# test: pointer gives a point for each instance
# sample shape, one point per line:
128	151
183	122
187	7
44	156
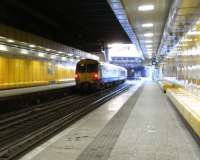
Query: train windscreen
83	68
92	68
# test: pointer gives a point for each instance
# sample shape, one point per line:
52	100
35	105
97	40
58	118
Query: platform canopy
147	19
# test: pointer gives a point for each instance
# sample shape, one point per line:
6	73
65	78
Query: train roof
102	63
87	60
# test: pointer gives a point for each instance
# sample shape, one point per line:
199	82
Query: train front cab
87	74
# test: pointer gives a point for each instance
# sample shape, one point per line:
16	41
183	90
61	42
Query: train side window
81	68
92	68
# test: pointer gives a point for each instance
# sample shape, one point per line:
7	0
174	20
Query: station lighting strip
149	35
148	7
12	46
123	20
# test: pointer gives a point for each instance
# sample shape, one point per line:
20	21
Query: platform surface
20	91
137	125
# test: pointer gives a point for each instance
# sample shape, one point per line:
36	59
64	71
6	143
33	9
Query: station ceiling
91	24
84	24
148	24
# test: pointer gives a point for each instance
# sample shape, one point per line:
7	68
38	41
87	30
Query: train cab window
92	68
81	68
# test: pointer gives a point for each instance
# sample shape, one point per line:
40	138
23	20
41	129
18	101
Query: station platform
140	124
22	91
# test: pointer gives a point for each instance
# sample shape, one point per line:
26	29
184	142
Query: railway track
23	129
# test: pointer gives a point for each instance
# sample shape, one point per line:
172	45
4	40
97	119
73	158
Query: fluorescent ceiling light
70	54
3	48
24	51
32	46
148	34
146	25
64	58
23	42
60	52
10	41
148	7
47	49
41	54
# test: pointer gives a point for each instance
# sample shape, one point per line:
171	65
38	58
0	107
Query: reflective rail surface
24	129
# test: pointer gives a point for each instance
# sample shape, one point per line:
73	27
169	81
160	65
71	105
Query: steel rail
44	122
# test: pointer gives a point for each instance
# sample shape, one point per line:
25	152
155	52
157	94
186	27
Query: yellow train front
94	74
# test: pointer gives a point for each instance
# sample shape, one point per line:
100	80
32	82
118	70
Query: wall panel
22	72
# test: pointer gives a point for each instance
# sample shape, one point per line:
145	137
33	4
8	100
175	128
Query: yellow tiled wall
21	72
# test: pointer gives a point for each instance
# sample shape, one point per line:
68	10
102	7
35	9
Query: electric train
94	74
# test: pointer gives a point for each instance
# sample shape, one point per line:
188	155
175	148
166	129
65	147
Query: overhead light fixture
47	49
60	52
148	41
10	41
24	51
146	25
41	54
3	48
23	43
147	7
64	58
148	34
70	54
32	46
